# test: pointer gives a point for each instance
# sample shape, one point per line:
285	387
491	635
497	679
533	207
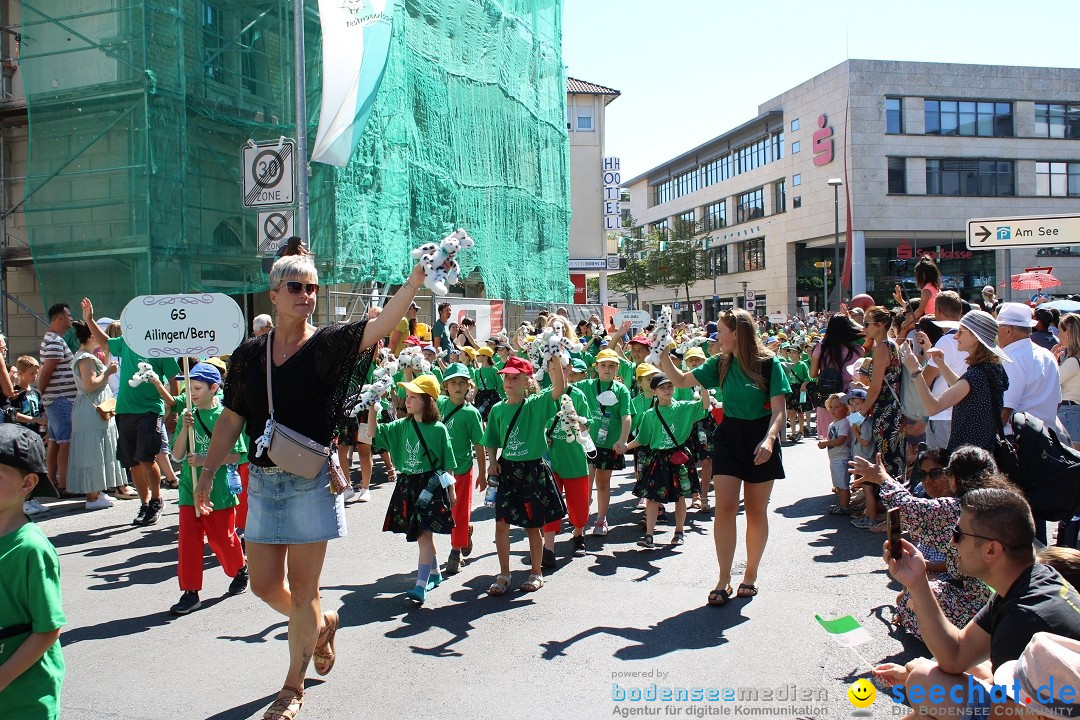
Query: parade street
617	620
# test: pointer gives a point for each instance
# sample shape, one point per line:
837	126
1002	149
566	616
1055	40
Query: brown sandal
324	655
285	707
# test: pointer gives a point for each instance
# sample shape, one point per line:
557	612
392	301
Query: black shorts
734	444
607	460
138	438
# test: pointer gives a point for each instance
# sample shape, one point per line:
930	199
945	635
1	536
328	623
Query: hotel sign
612	207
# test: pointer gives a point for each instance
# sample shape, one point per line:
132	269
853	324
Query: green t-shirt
639	404
220	497
742	399
30	595
466	429
599	415
527	440
487	378
407	451
144	398
568	459
680	417
626	373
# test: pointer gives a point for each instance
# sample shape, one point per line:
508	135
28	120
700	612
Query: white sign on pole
275	227
636	318
778	318
269	177
1024	231
612	205
177	326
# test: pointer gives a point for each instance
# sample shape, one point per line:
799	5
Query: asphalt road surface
618	621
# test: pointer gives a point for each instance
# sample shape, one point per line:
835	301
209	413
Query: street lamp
835	184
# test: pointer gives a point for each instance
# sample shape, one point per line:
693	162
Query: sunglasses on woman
935	473
295	287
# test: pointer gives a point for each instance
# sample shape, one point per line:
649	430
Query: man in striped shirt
57	386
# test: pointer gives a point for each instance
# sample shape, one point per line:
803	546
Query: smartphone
892	523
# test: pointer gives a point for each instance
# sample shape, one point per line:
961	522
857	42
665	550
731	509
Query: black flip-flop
720	597
751	590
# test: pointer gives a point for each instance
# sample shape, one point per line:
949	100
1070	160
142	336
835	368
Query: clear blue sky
689	70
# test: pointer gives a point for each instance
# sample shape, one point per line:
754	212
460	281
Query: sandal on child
720	597
500	586
746	590
285	707
324	655
534	583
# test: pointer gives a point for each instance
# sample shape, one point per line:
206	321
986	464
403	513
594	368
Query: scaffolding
138	110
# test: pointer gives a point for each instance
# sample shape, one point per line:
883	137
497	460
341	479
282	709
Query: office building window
796	146
780	201
1057	179
796	202
717	259
750	205
894	115
985	178
660	226
897	176
688	217
969	118
742	159
716	215
794	124
1057	121
751	254
796	179
584	119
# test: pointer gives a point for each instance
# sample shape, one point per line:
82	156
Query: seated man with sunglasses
993	542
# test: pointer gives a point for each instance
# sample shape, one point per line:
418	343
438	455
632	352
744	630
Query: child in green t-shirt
670	473
526	494
639	405
31	615
570	465
217	527
466	428
424	495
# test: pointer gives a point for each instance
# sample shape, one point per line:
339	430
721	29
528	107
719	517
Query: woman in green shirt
746	454
423	500
526	494
671	472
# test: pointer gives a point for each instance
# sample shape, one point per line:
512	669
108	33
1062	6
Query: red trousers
576	492
463	487
218	529
241	509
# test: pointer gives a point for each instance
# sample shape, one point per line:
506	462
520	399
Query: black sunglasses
295	287
936	473
957	534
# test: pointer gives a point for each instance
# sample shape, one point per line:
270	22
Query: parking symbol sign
1004	232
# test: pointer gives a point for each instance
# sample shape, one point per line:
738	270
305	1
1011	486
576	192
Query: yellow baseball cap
423	385
607	356
486	351
645	370
468	350
694	352
218	363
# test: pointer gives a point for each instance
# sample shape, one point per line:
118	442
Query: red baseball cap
517	366
641	340
413	340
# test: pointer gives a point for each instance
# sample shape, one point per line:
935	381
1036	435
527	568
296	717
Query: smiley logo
862	693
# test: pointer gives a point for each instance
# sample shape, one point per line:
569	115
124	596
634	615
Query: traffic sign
823	264
1023	231
748	297
269	177
676	306
274	228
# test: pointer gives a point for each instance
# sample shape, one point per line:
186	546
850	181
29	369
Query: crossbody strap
269	383
416	427
198	417
451	413
510	427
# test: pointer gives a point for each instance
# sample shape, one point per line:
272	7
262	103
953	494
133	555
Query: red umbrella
1034	281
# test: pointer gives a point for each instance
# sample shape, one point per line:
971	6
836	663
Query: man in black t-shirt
993	542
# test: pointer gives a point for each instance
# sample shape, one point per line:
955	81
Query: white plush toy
145	374
440	267
661	337
412	358
694	339
571	423
371	394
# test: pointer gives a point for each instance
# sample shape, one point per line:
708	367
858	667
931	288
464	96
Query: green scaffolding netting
138	110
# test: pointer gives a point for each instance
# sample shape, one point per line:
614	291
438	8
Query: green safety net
138	111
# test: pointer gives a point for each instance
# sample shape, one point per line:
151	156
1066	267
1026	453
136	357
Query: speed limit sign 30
269	177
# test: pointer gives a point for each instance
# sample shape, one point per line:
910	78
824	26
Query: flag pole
300	91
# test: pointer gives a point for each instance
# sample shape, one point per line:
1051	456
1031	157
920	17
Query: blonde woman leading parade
290	517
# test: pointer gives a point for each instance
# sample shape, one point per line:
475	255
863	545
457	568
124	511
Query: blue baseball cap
205	372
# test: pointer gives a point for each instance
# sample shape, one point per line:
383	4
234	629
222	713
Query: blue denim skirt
287	509
1069	415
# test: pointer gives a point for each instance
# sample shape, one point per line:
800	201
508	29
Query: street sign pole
300	91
